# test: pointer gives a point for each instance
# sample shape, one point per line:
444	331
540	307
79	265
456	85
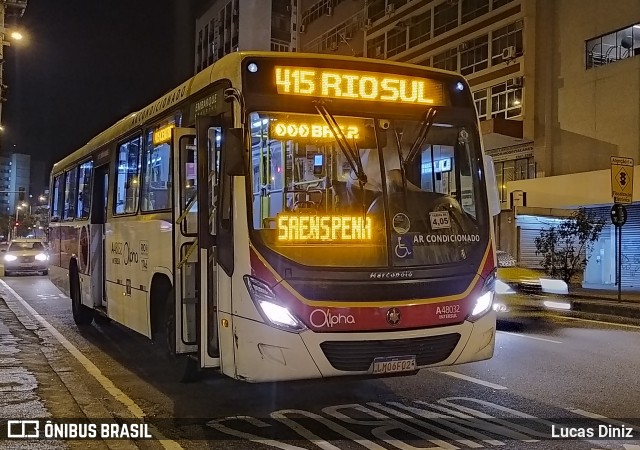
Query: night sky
88	63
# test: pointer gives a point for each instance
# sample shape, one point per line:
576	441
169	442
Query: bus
285	216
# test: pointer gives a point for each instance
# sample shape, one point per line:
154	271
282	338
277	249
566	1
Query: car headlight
10	257
41	257
267	304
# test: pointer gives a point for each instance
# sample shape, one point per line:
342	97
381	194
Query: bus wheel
101	319
187	367
82	315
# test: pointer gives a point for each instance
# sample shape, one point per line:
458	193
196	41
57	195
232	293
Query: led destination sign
307	228
305	127
358	85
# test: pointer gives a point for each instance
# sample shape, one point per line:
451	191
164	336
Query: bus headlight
267	304
41	257
483	305
10	257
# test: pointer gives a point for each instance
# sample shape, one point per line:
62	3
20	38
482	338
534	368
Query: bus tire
101	319
187	367
82	315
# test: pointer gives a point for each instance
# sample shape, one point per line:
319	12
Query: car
25	256
523	291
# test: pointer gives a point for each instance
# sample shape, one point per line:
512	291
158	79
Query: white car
25	255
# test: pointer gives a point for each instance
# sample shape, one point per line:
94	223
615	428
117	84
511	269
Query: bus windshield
366	192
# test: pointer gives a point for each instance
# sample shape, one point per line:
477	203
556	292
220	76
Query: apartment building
230	25
15	176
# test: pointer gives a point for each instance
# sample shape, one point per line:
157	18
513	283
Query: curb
606	307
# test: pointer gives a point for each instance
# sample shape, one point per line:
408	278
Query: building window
376	10
128	176
70	187
474	55
279	46
419	29
612	47
396	41
84	190
473	8
447	60
445	17
375	47
506	37
506	99
319	9
480	99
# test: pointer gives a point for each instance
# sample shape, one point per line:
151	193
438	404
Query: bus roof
227	66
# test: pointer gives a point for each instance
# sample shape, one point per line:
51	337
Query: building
227	26
15	178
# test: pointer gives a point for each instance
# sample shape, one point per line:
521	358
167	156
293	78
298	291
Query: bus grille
359	355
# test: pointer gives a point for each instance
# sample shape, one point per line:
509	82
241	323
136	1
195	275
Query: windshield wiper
352	154
425	126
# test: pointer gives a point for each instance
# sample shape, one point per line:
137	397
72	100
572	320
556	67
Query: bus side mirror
234	152
492	186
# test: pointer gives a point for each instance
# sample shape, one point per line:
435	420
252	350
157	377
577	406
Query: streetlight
16	35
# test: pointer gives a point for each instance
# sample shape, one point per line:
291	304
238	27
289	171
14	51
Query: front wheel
82	315
186	366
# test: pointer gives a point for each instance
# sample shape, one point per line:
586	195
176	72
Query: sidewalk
604	302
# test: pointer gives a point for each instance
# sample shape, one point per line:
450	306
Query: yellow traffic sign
621	179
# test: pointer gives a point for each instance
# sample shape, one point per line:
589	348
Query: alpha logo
320	318
393	316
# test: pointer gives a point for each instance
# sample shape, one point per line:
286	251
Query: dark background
84	64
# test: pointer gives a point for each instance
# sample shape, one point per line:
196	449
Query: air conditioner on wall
330	11
333	47
367	24
390	9
303	29
509	53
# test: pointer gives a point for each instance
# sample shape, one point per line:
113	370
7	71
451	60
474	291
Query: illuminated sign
357	85
305	228
163	134
303	127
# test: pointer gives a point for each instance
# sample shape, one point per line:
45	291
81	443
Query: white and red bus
288	216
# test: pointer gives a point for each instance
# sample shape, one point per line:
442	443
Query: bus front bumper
268	354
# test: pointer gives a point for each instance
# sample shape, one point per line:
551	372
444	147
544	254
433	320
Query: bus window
128	176
84	190
156	187
71	185
55	199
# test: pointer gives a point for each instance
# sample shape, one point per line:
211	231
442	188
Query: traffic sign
621	179
618	215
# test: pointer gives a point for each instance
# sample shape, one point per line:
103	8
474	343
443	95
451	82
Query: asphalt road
557	371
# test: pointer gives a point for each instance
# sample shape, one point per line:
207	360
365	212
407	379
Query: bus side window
128	177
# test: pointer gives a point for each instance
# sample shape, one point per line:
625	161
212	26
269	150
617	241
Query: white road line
597	321
530	337
93	370
474	380
590	415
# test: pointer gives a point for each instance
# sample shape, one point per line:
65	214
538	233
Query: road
567	372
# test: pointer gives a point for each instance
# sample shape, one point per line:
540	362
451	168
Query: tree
566	246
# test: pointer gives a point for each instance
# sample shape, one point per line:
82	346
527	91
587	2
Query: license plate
394	364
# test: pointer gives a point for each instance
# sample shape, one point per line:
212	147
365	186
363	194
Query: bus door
186	263
97	238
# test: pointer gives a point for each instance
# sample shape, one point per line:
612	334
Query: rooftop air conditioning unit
303	29
509	53
390	9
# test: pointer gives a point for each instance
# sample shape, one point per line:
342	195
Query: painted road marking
93	370
530	337
600	322
445	424
474	380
